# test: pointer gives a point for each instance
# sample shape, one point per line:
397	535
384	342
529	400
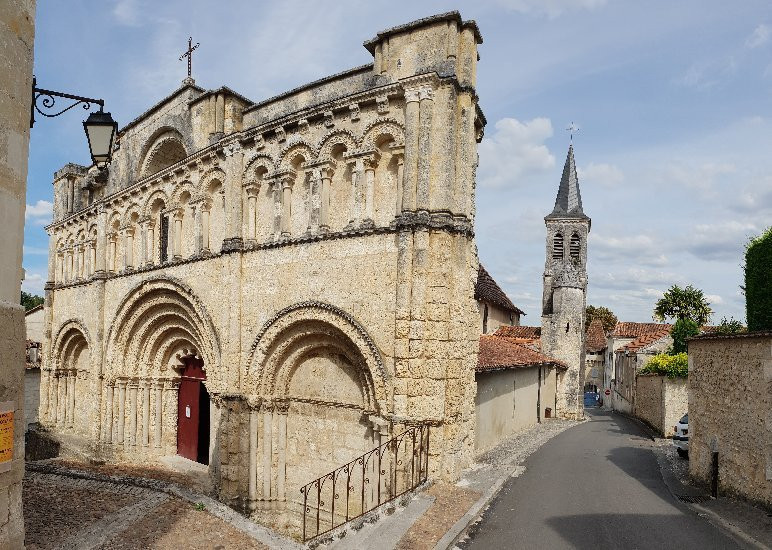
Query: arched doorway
193	412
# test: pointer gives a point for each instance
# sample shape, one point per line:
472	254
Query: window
575	246
163	239
557	247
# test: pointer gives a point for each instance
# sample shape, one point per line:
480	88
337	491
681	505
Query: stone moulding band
408	221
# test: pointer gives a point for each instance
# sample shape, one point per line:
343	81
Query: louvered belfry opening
575	246
557	247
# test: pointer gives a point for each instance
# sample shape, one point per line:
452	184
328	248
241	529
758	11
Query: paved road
596	486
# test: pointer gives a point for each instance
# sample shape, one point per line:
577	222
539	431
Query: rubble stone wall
730	399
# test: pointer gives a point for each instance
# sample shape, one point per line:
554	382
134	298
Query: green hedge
672	366
758	282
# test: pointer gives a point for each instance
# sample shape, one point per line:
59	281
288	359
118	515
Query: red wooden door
188	413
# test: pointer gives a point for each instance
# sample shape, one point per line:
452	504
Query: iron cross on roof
572	129
189	54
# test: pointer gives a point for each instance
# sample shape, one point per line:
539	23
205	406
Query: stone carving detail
354	111
382	102
281	135
328	119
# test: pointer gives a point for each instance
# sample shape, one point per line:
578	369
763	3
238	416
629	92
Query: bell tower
565	290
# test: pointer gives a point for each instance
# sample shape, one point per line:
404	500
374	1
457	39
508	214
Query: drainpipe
538	398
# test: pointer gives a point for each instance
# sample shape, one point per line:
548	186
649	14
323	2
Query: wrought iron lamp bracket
48	102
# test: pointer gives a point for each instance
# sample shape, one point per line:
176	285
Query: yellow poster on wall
6	435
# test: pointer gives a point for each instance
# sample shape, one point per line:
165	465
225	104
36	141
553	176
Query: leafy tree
30	300
683	303
730	326
758	282
606	316
672	366
682	330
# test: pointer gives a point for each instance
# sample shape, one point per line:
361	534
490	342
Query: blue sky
673	101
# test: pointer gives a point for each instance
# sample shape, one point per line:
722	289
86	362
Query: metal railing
367	482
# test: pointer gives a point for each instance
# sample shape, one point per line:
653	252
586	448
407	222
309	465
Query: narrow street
596	485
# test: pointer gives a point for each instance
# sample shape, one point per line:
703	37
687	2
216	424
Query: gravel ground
516	448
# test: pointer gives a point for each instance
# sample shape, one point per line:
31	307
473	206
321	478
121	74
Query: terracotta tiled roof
634	330
486	290
529	333
649	338
596	337
504	353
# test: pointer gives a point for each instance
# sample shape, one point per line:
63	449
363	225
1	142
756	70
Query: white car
681	436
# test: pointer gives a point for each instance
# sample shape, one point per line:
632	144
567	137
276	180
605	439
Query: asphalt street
596	485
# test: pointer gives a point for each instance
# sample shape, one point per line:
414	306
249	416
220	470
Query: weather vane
189	54
572	129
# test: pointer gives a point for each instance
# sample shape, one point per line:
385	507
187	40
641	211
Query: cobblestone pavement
84	514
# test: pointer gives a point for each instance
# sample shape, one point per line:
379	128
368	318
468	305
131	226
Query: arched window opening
166	152
163	239
557	247
575	246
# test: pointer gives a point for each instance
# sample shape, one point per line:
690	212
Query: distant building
594	360
33	320
496	309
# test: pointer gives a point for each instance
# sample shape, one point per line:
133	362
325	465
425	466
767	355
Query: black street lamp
99	126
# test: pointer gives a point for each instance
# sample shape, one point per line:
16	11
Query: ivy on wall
758	282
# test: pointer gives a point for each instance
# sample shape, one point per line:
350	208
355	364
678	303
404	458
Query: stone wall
31	395
730	399
661	401
17	33
507	400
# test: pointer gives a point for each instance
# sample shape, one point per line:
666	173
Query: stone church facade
275	288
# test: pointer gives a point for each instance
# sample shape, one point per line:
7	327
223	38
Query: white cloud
35	251
606	175
514	150
39	213
714	299
721	241
759	36
33	283
704	75
550	8
702	177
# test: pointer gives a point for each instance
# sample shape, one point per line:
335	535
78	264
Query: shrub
672	366
758	282
730	326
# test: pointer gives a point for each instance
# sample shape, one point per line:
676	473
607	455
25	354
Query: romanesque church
274	288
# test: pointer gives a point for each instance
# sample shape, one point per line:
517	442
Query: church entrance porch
193	412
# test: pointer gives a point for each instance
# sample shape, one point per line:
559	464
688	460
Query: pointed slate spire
568	203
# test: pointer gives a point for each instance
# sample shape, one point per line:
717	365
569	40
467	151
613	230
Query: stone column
314	201
101	243
354	207
129	247
253	421
205	213
53	409
411	149
252	192
108	427
144	249
171	396
121	410
281	475
146	413
286	204
324	207
267	409
76	263
370	162
157	427
132	439
113	267
71	398
178	215
399	153
150	246
426	96
92	258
